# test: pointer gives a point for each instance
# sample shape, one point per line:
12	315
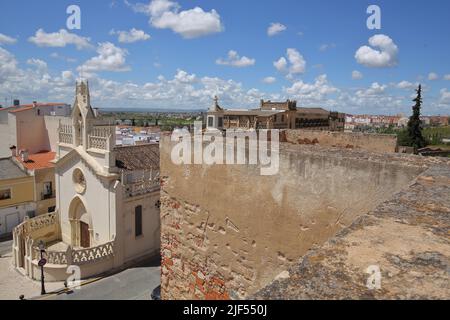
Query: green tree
415	137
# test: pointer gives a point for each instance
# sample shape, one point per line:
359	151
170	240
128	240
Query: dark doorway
85	240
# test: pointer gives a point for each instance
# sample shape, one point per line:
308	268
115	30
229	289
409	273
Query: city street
135	283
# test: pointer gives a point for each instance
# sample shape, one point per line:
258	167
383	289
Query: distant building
439	120
274	115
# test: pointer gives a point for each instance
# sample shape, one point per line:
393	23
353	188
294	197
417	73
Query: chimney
13	151
24	155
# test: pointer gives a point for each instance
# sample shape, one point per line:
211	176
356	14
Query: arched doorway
81	224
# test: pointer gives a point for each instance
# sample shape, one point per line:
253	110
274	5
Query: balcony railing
77	256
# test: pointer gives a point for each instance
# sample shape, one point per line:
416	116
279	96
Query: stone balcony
59	255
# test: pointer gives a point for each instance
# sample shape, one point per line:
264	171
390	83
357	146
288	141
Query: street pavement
12	283
5	247
135	283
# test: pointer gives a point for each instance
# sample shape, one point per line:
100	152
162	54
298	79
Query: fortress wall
350	140
227	231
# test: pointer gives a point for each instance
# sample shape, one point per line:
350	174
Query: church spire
83	99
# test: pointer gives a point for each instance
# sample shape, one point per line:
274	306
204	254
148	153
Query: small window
48	190
51	209
210	121
282	118
5	194
220	122
138	221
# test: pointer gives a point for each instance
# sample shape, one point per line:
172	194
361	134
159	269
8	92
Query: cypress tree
415	136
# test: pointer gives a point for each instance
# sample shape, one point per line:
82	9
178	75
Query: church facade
107	202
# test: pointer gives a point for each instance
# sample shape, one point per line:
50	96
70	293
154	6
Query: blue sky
179	54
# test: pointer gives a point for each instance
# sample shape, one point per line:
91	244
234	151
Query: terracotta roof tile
39	160
137	157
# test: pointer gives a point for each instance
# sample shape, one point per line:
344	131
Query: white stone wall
149	241
14	213
98	199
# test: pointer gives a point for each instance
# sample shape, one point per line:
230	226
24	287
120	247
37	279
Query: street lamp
42	263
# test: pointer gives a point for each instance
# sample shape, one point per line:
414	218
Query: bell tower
82	114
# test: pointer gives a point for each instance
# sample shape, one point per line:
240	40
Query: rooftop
137	157
312	110
39	160
255	112
24	107
9	170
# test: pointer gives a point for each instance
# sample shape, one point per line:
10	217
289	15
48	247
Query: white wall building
107	201
32	127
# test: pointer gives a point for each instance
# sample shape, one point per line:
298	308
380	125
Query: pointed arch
80	222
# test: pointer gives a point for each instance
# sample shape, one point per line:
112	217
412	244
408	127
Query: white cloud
131	36
37	63
59	39
275	28
235	60
8	64
375	89
433	76
4	39
269	80
184	90
327	46
110	58
405	85
296	65
56	55
192	23
447	77
313	94
444	99
386	56
356	75
281	64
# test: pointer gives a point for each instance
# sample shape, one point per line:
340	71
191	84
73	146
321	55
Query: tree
415	137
